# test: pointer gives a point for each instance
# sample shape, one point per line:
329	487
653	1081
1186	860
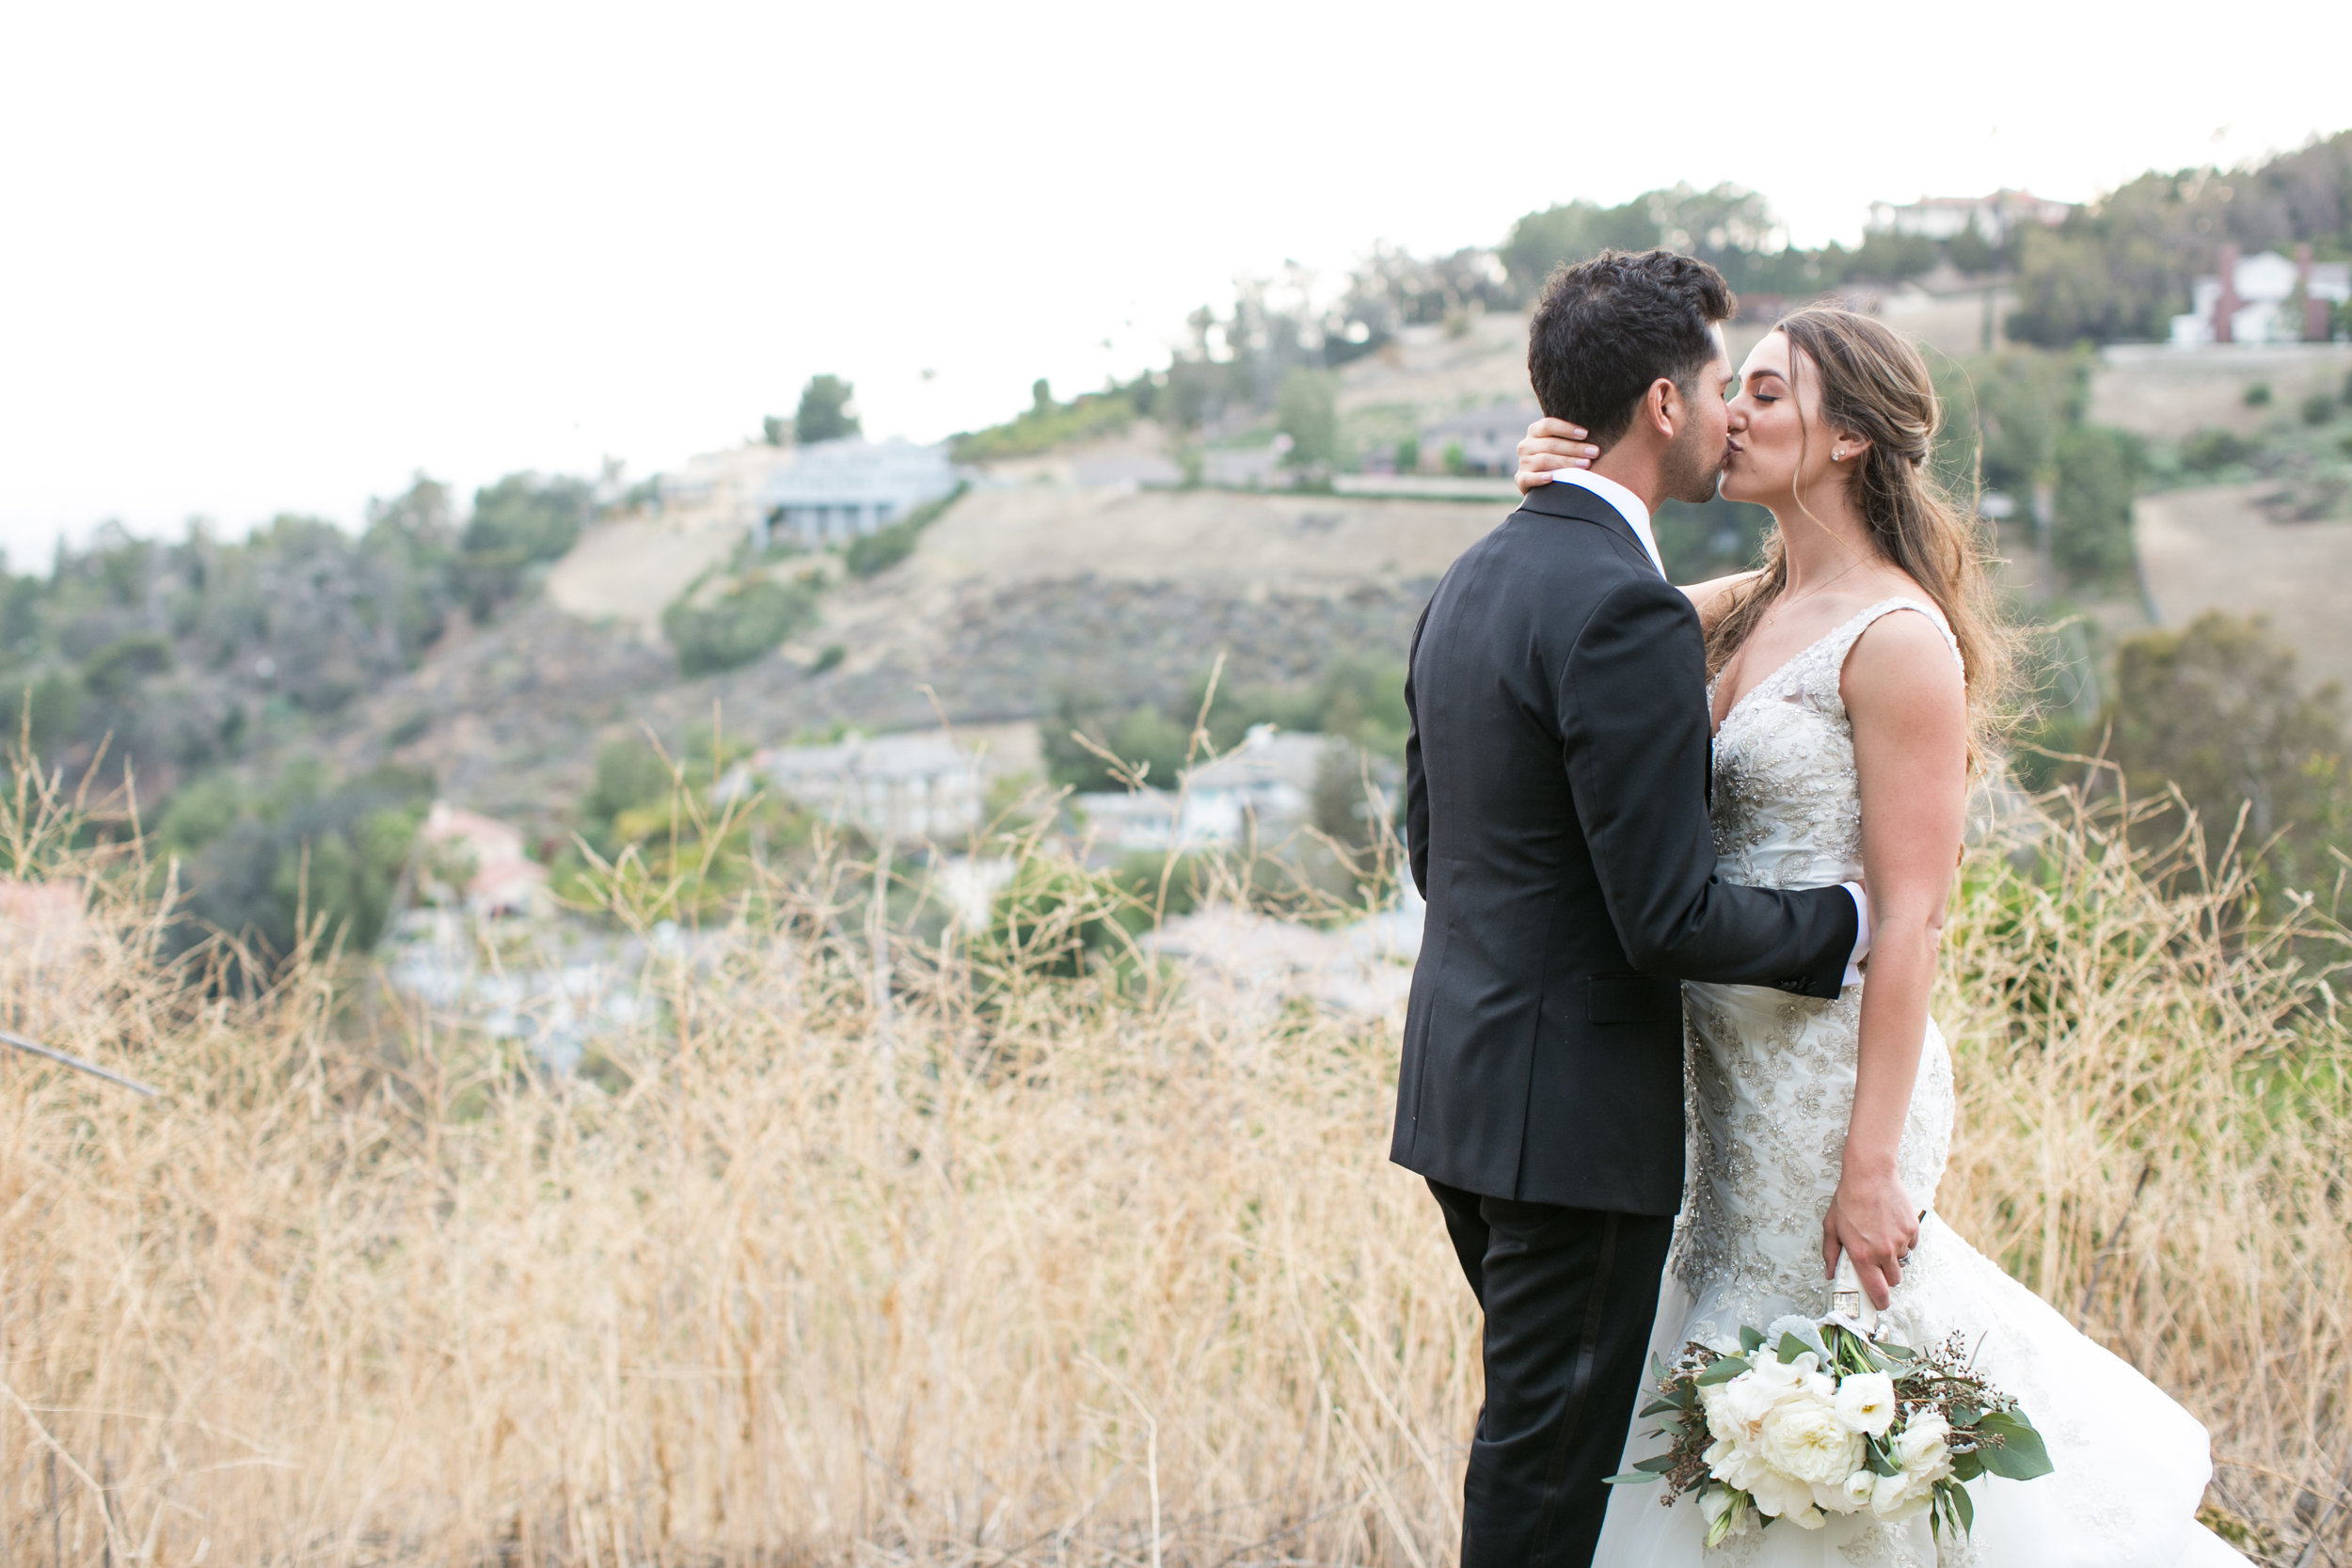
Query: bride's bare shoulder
1715	597
1903	669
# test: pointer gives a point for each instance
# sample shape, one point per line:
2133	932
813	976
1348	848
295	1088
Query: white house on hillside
1943	218
837	490
912	786
2264	298
1267	783
1490	437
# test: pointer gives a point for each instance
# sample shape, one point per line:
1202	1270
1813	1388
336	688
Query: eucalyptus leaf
1723	1372
1750	1340
2021	1454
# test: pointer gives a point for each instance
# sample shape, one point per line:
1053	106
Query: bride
1851	680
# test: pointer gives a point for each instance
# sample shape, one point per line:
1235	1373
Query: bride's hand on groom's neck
1550	445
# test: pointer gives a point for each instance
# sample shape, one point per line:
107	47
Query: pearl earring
1839	455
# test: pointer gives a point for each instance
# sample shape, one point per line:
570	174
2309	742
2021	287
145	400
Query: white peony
1783	1496
1804	1438
1866	1403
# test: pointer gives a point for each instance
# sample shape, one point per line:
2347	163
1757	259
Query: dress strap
1843	640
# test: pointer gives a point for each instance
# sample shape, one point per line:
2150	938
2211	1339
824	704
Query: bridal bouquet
1814	1416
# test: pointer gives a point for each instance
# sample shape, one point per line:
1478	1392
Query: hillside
1015	598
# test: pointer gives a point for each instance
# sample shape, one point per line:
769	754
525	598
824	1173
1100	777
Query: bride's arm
1712	597
1909	709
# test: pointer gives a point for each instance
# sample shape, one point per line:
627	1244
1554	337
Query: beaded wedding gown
1771	1082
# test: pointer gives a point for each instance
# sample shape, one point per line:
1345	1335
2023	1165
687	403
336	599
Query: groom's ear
1663	408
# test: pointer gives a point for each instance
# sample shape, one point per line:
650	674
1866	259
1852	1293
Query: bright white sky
263	258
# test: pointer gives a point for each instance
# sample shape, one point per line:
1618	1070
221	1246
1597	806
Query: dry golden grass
1023	1270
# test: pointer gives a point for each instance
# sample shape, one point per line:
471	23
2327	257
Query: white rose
1851	1496
1923	1447
1866	1403
1804	1438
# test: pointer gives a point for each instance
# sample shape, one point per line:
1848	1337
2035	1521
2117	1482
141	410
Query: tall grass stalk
1076	1270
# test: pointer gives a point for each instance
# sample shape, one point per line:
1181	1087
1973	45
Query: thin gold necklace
1739	662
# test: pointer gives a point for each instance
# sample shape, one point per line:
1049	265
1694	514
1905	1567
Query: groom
1556	801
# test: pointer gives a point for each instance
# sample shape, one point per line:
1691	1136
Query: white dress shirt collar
1629	506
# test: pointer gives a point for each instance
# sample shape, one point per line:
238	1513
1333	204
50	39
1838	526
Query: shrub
744	623
2258	395
2211	449
2319	408
878	551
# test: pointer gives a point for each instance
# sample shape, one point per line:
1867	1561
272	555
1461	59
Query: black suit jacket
1556	802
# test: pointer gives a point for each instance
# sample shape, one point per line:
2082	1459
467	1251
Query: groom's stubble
1691	466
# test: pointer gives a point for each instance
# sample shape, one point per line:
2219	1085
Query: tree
2215	710
1571	232
824	414
2099	471
1306	411
519	522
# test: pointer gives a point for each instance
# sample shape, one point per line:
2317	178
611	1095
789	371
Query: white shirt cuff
1862	932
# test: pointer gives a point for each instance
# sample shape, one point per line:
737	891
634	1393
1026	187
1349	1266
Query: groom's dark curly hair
1607	328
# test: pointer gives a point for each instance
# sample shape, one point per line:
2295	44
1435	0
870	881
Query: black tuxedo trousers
1556	821
1568	1295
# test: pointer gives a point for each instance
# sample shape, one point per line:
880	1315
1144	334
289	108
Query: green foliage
113	672
1143	737
2319	408
295	858
1046	425
2258	395
2099	471
1709	539
773	428
1886	257
663	840
2016	405
521	521
824	414
1306	411
2211	449
1359	699
1057	919
1541	241
745	621
2217	710
2121	267
884	548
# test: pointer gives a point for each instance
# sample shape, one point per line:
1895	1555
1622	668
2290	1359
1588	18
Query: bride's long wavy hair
1875	385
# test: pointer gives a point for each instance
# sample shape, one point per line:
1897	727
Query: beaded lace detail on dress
1771	1076
1771	1085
